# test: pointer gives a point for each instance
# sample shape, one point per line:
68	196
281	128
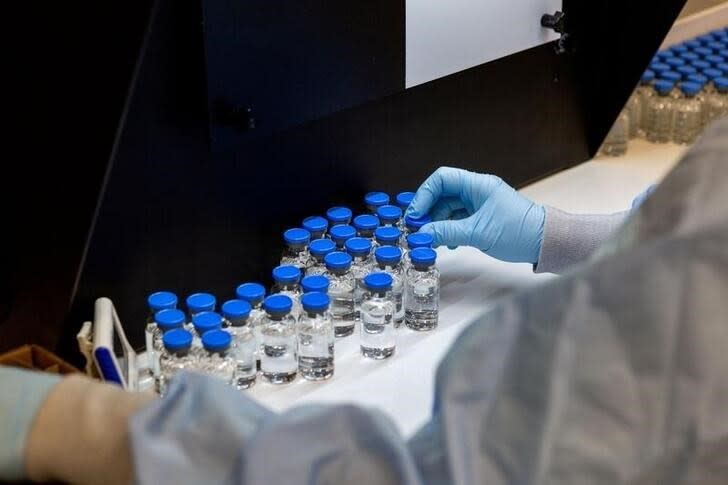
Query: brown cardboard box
37	358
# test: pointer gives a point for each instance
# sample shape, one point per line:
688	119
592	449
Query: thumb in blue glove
471	209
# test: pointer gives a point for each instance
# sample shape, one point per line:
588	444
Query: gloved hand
472	209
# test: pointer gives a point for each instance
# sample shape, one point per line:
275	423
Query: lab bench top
403	385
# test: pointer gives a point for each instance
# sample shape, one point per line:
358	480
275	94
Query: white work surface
403	386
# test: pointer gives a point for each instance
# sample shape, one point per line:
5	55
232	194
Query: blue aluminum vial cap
216	340
286	274
278	304
389	214
236	309
698	78
162	300
206	321
339	234
712	73
315	224
297	236
253	293
663	87
689	56
721	84
200	302
366	222
690	89
317	283
423	256
169	318
419	240
404	199
338	215
177	339
647	77
674	62
315	302
670	76
321	247
415	223
700	64
387	235
658	67
358	246
338	260
685	71
378	281
388	255
376	199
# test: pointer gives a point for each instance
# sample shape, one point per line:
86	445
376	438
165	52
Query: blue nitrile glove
637	202
472	209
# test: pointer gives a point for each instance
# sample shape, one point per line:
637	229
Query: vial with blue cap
414	241
377	317
365	225
204	322
387	236
688	115
716	102
615	143
714	60
689	57
341	233
374	200
390	215
176	357
660	113
200	302
279	360
318	249
244	349
412	225
360	250
316	226
389	260
253	293
341	292
160	300
296	248
404	199
422	291
217	360
700	65
643	93
315	337
315	283
287	280
338	215
703	51
165	320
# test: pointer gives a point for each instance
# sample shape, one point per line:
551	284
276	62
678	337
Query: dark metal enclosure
245	117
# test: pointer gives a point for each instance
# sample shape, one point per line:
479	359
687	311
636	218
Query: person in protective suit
616	372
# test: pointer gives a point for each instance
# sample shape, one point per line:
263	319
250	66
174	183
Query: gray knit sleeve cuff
570	238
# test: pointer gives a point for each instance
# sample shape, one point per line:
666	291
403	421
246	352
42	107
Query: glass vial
244	349
377	318
279	362
315	338
341	292
422	295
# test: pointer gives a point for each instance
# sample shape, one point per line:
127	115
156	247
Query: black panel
173	216
69	68
614	42
292	61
